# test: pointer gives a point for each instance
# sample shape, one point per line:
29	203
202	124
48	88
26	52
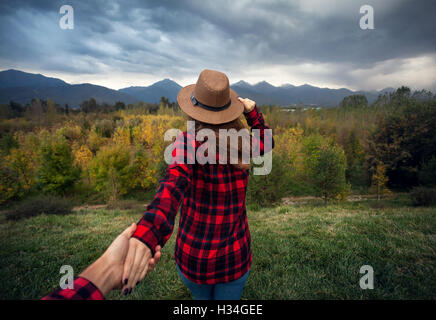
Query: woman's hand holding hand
248	104
136	264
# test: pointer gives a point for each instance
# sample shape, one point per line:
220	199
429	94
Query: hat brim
213	117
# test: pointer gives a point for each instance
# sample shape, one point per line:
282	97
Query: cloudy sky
123	43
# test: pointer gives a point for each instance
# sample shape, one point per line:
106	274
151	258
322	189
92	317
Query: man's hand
248	104
136	264
107	272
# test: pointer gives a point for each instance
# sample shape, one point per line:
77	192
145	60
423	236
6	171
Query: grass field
304	251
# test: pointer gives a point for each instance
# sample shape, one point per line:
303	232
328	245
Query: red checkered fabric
213	241
82	290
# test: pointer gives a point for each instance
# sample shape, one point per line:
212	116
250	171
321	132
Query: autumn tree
142	172
17	174
109	170
379	181
82	158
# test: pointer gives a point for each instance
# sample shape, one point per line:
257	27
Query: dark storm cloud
179	38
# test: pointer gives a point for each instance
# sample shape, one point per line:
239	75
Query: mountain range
22	87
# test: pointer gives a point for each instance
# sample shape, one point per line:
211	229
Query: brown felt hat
210	100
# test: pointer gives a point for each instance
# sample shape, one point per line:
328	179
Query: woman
212	251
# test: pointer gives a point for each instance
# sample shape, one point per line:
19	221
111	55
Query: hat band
195	102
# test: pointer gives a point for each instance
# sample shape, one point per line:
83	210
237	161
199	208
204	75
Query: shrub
268	189
423	196
105	128
37	205
7	142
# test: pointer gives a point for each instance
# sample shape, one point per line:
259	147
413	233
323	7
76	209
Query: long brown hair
236	124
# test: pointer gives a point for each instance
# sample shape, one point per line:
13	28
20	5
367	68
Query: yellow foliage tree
82	157
288	144
17	174
379	180
122	136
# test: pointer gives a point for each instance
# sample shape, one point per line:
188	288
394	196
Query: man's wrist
102	274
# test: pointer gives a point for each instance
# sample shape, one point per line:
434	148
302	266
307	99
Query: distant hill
164	88
22	87
15	78
288	94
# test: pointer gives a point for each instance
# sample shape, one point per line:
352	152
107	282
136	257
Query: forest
101	153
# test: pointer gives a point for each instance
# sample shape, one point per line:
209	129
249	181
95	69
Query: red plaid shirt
82	290
213	241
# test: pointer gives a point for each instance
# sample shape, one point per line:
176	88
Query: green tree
355	154
89	105
326	166
404	139
119	106
354	101
56	174
9	182
266	190
427	174
7	142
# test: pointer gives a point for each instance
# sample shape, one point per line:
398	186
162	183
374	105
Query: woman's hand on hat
248	104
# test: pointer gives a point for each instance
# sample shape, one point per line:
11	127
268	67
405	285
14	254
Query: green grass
299	252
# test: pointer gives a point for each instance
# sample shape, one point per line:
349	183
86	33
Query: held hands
137	264
248	104
108	271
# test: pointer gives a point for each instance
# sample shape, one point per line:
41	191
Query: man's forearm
101	274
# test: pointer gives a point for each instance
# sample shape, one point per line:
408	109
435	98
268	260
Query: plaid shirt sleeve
265	141
156	226
82	290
